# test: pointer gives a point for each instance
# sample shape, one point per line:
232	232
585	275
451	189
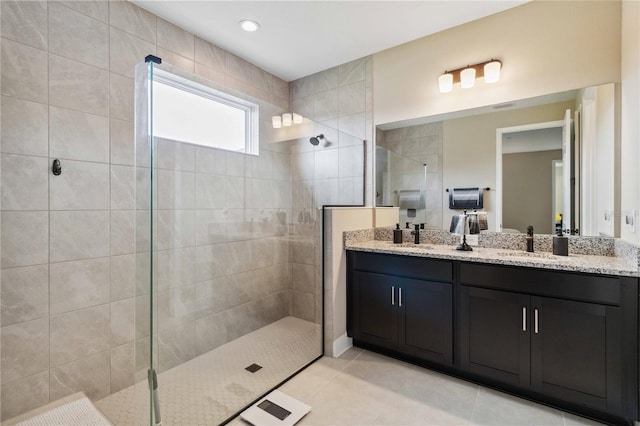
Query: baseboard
341	345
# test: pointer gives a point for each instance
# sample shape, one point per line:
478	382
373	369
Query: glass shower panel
144	353
232	308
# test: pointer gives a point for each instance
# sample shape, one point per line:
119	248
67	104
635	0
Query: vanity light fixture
249	25
466	76
287	119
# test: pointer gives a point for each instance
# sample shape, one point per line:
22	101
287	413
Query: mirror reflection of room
517	150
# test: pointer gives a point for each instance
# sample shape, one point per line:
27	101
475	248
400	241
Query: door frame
500	132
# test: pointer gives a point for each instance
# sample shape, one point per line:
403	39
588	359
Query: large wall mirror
547	161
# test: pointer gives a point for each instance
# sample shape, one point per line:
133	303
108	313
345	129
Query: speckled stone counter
586	254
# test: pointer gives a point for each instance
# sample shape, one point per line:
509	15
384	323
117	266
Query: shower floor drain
253	368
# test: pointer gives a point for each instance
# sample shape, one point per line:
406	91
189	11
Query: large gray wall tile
133	19
122	367
210	333
89	375
127	51
24	127
24	71
25	349
81	186
79	235
123	191
25	394
79	284
122	321
123	232
25	182
77	86
77	36
25	22
176	228
210	55
97	9
122	142
211	226
24	238
176	345
78	136
79	333
121	97
175	39
25	294
123	276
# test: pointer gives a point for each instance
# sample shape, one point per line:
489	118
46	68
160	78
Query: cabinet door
576	352
375	309
426	320
494	334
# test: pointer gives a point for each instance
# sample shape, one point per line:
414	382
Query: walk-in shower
201	264
229	283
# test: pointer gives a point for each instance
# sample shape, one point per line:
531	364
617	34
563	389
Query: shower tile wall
68	262
332	173
422	144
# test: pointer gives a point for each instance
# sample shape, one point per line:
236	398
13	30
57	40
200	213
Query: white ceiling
299	38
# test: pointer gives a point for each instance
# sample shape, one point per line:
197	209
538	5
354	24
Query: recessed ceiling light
249	25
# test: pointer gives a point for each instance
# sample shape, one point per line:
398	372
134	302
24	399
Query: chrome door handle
535	322
400	297
393	295
524	318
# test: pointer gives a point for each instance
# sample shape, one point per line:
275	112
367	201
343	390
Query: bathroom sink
534	255
410	245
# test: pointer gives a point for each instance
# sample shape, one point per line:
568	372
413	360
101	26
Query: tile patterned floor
210	388
364	388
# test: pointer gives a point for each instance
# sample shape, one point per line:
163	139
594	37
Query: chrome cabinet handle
400	297
535	323
524	318
393	295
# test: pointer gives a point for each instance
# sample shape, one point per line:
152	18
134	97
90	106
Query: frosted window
202	116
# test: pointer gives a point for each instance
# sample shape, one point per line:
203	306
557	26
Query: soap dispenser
560	243
397	234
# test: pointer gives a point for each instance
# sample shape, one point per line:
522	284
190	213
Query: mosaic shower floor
210	388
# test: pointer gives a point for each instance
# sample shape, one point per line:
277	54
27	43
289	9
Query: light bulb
445	81
297	118
286	119
492	71
249	25
276	121
467	78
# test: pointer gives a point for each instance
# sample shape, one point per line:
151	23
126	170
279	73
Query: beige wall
469	150
338	220
527	179
630	125
546	47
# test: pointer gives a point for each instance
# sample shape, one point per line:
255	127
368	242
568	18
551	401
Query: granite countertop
597	264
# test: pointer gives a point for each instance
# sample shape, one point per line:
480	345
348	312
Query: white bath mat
78	412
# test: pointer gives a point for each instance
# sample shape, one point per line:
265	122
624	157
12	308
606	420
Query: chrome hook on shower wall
56	168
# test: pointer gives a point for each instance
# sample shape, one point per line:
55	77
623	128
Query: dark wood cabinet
564	338
558	335
411	316
494	342
375	309
576	352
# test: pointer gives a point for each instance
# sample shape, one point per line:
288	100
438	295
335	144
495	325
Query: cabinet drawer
402	266
564	285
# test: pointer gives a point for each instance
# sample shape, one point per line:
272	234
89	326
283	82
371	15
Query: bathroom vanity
561	331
